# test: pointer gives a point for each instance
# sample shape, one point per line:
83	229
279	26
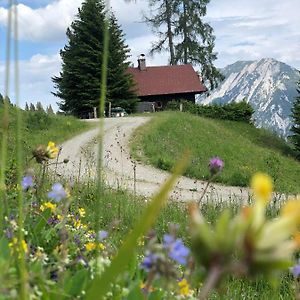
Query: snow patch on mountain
267	84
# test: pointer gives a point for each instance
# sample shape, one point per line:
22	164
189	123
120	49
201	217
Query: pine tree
31	107
164	16
119	82
50	110
79	82
1	99
190	40
197	40
39	107
26	107
296	122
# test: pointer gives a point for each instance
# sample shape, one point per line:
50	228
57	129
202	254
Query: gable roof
167	80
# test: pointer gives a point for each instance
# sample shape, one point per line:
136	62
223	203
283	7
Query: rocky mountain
268	85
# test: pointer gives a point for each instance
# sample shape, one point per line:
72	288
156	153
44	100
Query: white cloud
46	23
35	79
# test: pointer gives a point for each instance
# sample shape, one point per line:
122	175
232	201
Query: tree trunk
169	32
185	41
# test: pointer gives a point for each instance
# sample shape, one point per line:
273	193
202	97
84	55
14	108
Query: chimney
142	62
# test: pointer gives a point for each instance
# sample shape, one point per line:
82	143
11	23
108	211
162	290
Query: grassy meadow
244	149
63	255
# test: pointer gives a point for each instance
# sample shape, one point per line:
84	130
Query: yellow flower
14	243
184	287
101	246
292	209
90	246
81	212
262	187
77	224
52	150
49	205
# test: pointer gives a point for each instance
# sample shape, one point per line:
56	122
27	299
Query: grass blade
100	285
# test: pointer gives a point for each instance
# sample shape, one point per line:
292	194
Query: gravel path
119	167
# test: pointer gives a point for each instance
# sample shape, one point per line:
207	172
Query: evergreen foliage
1	99
32	107
26	107
50	110
296	121
39	107
78	84
179	24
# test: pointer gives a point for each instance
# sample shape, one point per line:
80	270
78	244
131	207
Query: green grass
120	210
40	128
244	148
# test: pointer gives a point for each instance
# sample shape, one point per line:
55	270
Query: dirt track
119	168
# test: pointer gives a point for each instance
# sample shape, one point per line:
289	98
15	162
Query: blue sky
245	30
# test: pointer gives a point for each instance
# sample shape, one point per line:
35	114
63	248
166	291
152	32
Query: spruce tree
39	107
119	82
79	82
26	107
296	122
1	99
31	107
50	110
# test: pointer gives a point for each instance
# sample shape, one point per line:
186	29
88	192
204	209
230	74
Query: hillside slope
268	85
244	148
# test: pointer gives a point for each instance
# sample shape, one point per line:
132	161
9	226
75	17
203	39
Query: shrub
241	111
38	120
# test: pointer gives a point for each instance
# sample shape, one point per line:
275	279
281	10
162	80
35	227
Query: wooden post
181	107
95	112
109	109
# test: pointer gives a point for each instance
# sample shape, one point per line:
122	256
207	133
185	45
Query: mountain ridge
267	84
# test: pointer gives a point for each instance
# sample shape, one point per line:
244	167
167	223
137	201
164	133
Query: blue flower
57	193
176	249
296	269
27	182
149	261
102	235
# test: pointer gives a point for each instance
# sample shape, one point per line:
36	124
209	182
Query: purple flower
148	261
102	235
57	193
216	165
296	269
27	182
176	249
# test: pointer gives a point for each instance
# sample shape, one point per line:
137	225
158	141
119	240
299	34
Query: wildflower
52	150
296	269
149	261
57	193
177	250
81	212
216	165
102	235
184	287
23	245
27	182
90	246
77	224
101	246
292	209
262	187
48	205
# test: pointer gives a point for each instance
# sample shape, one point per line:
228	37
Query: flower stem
211	281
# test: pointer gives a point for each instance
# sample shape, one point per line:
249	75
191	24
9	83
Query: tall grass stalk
19	165
103	89
5	121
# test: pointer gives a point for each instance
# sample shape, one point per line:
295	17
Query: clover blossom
57	193
216	165
176	249
102	235
27	182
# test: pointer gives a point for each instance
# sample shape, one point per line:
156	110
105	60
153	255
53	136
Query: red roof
167	80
